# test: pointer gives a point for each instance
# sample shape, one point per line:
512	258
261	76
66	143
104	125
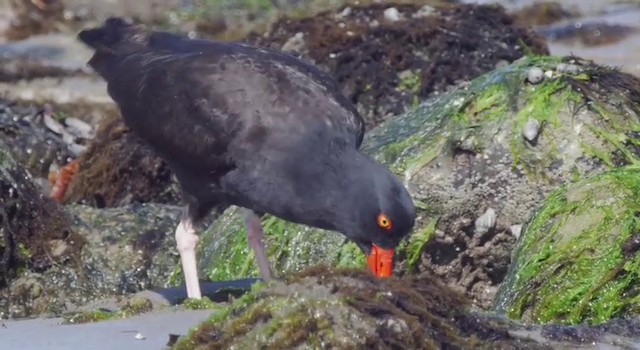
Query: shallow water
624	54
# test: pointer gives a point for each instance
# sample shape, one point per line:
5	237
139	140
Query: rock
535	75
33	145
31	225
119	169
366	53
347	309
296	43
516	230
223	252
392	15
578	259
425	11
486	222
531	130
568	68
125	250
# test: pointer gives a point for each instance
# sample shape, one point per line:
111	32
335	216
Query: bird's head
381	213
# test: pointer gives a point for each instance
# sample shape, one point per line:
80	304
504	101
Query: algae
570	266
200	304
134	306
346	308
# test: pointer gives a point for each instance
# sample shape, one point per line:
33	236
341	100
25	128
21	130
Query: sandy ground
114	334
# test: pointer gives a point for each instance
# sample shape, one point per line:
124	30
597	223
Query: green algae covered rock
347	309
478	161
322	308
578	260
224	253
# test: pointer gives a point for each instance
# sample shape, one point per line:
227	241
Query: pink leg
255	237
186	241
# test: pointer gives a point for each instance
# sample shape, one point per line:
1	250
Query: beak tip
380	262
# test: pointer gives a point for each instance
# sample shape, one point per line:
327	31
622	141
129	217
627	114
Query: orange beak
381	261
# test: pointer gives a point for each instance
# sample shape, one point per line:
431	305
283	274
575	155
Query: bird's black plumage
257	128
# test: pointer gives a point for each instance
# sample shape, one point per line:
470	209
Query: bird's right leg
186	241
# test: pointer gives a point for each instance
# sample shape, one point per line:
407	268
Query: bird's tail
114	38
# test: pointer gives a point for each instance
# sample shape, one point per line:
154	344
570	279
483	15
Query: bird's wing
193	103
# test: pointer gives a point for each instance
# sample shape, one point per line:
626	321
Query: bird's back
208	106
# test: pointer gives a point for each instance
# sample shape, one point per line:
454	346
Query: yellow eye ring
384	222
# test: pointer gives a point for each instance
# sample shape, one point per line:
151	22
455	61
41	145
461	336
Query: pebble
568	68
535	75
345	13
531	130
391	14
516	230
295	43
139	336
425	11
486	221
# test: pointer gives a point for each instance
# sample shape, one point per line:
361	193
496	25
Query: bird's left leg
255	237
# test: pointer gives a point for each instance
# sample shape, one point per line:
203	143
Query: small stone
531	130
139	336
397	325
345	13
516	230
425	11
392	15
295	43
486	221
535	75
548	74
374	24
58	248
568	68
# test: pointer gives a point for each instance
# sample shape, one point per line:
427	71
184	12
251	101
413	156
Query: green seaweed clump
133	307
199	304
578	259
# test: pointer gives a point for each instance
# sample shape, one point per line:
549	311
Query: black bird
255	128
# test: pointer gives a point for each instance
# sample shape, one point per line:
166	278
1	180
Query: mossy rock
578	260
224	254
323	308
346	309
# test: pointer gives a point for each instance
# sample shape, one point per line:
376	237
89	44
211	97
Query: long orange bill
381	261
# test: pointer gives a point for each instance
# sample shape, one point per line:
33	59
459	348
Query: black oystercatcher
255	128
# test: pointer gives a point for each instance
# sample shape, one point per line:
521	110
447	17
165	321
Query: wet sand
121	334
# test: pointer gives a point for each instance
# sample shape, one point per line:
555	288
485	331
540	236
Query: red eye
384	222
